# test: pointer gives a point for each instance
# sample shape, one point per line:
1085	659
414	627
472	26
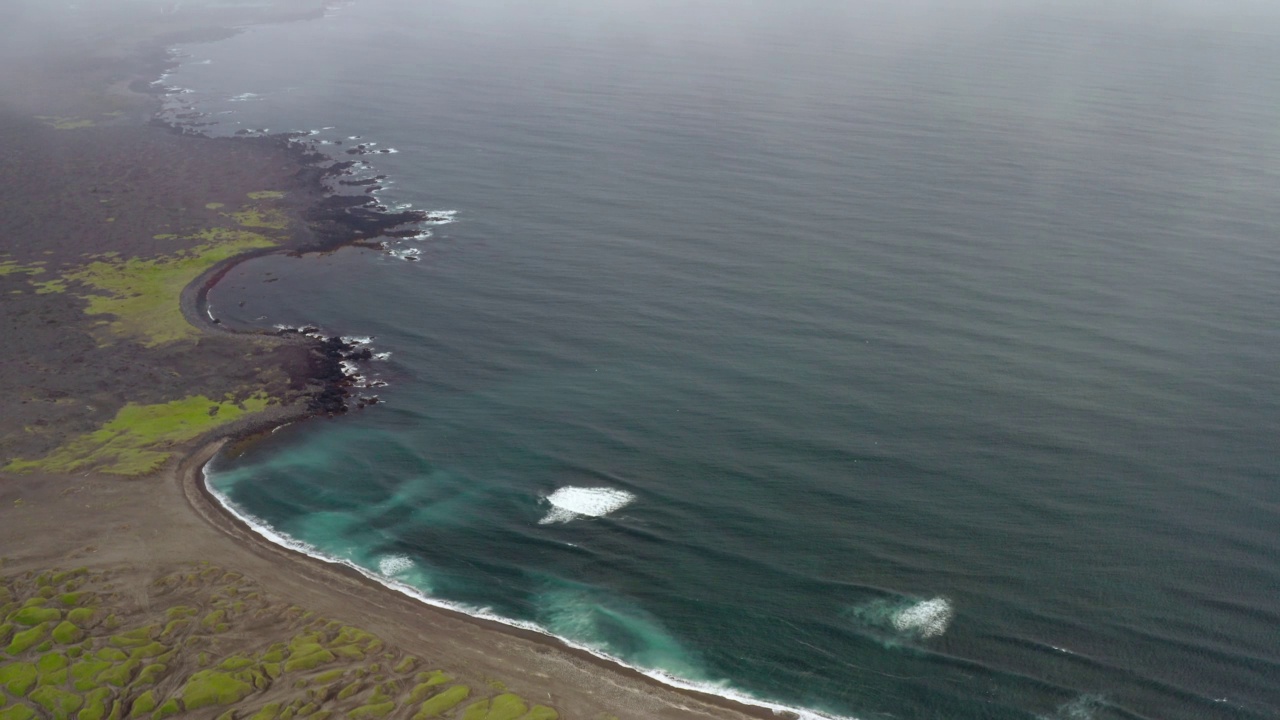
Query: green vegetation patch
443	703
502	707
95	705
18	678
145	703
209	687
541	712
84	674
11	267
380	710
17	712
261	218
142	294
60	122
169	708
56	700
81	616
67	633
24	640
136	441
35	615
266	195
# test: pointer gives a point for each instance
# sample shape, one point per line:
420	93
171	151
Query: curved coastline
332	221
217	512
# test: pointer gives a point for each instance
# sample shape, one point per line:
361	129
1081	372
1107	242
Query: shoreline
209	507
363	221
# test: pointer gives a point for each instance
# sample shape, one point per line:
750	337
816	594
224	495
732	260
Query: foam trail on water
718	689
392	565
925	619
569	503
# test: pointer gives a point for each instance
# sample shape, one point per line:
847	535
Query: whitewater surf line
284	540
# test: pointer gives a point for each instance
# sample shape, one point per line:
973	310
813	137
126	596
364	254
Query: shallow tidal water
886	360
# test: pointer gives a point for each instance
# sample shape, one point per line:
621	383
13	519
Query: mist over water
907	360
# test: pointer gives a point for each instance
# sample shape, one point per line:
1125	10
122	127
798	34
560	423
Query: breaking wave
571	503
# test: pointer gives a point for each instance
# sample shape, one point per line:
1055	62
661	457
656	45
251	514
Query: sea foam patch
905	618
570	503
926	619
392	565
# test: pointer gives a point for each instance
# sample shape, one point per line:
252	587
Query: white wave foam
392	565
242	97
382	355
405	253
569	503
928	618
441	217
718	689
357	339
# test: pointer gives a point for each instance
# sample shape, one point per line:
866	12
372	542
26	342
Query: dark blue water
922	354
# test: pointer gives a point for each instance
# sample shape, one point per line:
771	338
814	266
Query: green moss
35	616
53	669
442	703
57	701
327	677
81	616
170	707
118	675
350	652
58	122
145	703
214	206
18	678
209	687
24	640
142	294
72	598
541	712
49	286
66	633
274	654
266	195
17	712
425	689
406	665
6	629
111	654
180	611
149	650
211	620
95	705
309	661
261	218
350	690
151	674
379	710
236	662
503	707
270	712
137	440
11	267
84	674
175	626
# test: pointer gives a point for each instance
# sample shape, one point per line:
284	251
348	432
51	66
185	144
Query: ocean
871	359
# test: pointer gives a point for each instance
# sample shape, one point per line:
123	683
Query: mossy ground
140	438
135	303
245	665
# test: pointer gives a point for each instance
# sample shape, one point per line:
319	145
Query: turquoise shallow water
926	351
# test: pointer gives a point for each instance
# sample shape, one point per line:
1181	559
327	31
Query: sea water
910	360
